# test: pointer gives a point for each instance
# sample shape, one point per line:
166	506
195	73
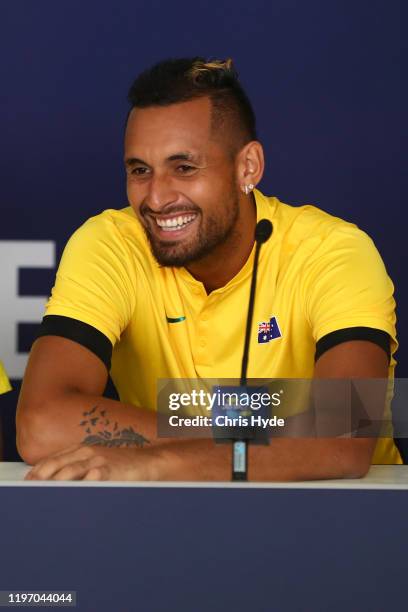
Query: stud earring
248	188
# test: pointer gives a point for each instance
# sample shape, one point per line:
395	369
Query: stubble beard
211	233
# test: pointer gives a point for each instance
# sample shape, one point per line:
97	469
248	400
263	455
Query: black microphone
263	232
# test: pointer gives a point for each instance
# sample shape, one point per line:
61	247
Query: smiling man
159	290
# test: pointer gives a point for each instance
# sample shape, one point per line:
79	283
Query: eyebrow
183	156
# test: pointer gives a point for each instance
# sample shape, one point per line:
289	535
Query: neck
218	268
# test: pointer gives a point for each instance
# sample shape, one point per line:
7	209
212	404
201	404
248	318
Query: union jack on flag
264	327
268	330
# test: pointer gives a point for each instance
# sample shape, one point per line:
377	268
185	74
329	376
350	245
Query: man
160	290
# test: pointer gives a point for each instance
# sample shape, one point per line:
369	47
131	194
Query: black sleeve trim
378	336
86	335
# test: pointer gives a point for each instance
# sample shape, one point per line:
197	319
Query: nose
160	193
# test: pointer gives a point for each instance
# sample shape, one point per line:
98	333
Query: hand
80	462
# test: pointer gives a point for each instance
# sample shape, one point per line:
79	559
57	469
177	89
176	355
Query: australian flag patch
268	330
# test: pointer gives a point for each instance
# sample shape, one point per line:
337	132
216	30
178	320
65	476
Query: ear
250	166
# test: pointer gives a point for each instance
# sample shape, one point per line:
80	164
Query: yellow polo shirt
4	381
317	274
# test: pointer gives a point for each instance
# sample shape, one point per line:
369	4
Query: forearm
78	418
202	460
282	460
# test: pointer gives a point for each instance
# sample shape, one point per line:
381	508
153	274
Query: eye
139	171
185	168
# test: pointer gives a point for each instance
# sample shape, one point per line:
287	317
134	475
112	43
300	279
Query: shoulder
314	232
113	223
113	234
312	241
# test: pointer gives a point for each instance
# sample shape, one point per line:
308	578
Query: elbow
357	458
357	470
31	440
29	445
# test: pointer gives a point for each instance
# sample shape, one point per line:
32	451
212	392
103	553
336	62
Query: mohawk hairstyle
180	80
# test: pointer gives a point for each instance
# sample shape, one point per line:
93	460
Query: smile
175	223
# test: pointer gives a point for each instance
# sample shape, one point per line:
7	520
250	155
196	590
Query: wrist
190	460
158	463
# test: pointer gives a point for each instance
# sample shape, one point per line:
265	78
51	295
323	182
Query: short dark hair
179	80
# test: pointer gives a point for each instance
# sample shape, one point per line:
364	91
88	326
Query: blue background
327	80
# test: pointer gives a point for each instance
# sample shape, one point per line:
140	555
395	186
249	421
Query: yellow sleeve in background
4	381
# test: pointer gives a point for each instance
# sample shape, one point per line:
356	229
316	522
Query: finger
74	471
77	470
31	474
63	451
46	468
98	473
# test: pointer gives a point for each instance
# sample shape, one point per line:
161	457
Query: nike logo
175	319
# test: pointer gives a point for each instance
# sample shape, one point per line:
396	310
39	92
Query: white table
379	477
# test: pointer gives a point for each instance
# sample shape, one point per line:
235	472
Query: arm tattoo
103	437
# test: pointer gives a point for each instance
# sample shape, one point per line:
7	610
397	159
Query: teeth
174	223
